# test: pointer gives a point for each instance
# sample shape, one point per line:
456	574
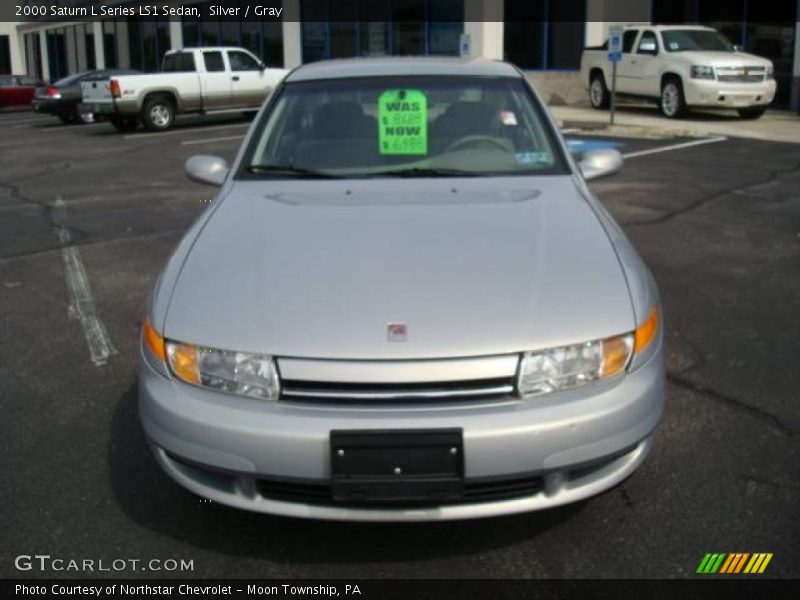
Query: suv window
213	61
179	62
628	38
648	43
241	61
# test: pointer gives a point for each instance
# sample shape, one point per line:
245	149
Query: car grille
741	74
407	380
391	391
476	490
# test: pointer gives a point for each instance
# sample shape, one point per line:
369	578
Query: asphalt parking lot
718	222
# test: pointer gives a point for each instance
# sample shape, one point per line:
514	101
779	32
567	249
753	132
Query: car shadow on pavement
154	501
720	115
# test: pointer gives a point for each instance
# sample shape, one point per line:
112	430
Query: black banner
402	589
388	10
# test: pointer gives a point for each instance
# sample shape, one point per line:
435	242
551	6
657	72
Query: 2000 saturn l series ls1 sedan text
404	304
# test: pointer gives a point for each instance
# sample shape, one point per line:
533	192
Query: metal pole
613	89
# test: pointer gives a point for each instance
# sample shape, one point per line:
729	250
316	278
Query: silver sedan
404	304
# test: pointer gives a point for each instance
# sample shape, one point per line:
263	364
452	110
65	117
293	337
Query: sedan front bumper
563	447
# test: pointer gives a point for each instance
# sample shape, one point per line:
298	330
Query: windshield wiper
427	172
291	170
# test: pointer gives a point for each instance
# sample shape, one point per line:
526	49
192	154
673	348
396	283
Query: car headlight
702	72
571	366
770	72
241	373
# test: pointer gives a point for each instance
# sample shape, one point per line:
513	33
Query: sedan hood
471	266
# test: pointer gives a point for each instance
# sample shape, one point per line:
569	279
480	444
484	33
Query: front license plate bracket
397	466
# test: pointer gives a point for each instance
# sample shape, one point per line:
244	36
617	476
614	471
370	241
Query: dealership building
543	37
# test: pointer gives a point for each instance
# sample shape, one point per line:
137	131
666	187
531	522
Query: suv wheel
672	103
598	93
158	113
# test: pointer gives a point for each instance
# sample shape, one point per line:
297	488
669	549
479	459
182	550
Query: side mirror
211	170
600	163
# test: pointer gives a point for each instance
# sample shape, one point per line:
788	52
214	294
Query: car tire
599	96
672	102
754	112
124	124
158	113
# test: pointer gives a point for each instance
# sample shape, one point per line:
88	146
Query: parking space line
211	140
674	147
82	305
146	136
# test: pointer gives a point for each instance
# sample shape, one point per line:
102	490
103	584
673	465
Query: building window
5	55
110	44
262	38
342	28
148	42
88	42
57	53
544	35
33	55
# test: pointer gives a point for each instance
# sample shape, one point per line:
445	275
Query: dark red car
17	90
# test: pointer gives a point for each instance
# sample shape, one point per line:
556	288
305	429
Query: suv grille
741	74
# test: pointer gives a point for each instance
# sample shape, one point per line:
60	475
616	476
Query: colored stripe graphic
758	563
711	563
734	563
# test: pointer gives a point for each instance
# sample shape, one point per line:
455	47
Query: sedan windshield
679	40
404	127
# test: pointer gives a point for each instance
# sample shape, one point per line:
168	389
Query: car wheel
599	97
753	112
672	103
158	113
124	123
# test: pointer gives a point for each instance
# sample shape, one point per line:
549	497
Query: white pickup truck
681	66
192	80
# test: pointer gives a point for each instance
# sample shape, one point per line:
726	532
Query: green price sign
403	122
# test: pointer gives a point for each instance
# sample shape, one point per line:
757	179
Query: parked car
63	98
193	80
404	304
17	90
681	67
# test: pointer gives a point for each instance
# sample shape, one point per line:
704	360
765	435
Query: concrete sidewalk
638	120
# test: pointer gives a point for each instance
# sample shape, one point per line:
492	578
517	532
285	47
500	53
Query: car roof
206	48
669	27
398	66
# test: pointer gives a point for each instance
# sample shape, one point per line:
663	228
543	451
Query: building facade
543	37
